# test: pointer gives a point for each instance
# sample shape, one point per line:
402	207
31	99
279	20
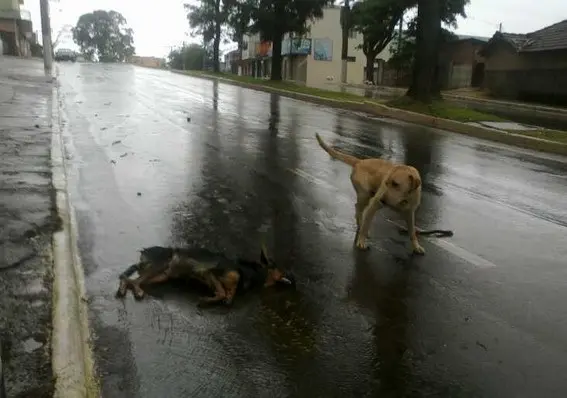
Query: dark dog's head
275	275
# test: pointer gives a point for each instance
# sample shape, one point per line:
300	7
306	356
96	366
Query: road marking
452	248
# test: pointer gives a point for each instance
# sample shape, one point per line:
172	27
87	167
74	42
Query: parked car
65	54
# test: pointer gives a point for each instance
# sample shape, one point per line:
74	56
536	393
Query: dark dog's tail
343	157
439	233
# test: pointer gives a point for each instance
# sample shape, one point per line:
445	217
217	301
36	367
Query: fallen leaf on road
113	161
124	154
478	343
116	142
108	103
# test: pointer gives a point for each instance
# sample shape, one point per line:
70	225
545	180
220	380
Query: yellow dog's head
403	187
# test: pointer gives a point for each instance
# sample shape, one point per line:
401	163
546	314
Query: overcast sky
163	24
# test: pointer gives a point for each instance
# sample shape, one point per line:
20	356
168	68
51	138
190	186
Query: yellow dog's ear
264	258
415	181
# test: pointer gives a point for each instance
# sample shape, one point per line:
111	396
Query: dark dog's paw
139	294
122	289
203	301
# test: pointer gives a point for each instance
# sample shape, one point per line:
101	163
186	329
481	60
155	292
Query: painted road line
452	248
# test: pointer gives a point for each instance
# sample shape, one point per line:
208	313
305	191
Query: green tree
189	57
272	19
207	19
403	53
104	35
239	20
428	38
377	21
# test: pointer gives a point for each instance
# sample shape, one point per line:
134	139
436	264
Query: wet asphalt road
482	314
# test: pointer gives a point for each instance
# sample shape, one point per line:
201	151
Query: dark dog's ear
264	258
415	182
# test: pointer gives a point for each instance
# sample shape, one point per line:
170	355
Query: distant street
481	315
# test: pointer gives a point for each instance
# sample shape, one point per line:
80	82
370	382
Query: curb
486	133
72	356
375	109
535	108
537	111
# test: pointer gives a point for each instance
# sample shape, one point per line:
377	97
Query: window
352	34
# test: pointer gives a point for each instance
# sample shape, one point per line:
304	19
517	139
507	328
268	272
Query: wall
318	71
7	25
250	51
315	72
458	60
503	57
465	52
540	76
150	62
298	68
9	5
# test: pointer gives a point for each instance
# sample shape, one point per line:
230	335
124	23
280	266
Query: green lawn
283	85
551	135
443	110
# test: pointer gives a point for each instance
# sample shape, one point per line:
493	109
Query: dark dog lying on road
222	275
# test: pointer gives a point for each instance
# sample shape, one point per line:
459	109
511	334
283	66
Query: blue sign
323	49
296	46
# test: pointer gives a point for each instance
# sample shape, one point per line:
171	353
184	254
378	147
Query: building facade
231	61
530	66
461	63
313	59
149	62
16	33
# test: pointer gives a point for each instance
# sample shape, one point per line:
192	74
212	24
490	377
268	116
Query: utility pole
46	35
345	23
500	27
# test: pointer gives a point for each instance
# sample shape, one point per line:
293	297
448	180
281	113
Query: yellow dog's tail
343	157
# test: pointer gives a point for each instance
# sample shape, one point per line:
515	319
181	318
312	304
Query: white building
314	59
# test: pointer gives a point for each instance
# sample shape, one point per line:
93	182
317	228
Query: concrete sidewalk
28	218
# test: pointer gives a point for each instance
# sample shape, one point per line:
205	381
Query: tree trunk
423	84
276	73
216	51
217	38
240	45
370	57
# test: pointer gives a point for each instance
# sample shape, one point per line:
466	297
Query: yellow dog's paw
418	250
361	245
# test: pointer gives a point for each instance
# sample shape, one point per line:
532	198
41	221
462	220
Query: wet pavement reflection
482	314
